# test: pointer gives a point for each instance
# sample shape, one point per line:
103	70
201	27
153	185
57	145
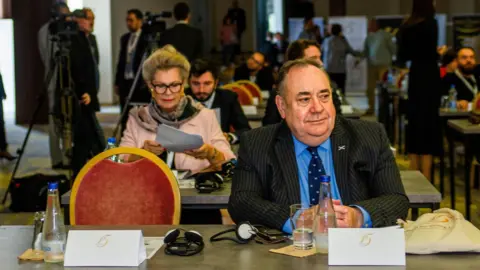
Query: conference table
467	132
420	192
219	255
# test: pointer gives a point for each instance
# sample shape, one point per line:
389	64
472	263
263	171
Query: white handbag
444	230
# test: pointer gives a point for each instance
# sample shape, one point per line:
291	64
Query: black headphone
188	245
245	232
208	182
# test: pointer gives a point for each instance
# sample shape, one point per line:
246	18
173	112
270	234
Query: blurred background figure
4	154
335	49
417	42
238	17
187	39
379	51
92	39
228	40
449	62
132	47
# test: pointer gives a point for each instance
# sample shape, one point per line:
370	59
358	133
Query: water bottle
325	217
452	98
112	143
53	234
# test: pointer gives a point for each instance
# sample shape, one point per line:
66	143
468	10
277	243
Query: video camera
63	25
152	23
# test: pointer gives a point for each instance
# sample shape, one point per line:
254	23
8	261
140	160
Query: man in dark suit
281	164
93	46
464	79
203	83
237	14
254	70
186	39
132	47
88	139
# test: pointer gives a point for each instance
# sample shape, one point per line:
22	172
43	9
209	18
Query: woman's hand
208	152
153	147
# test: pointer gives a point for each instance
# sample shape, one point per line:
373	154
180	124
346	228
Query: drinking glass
302	217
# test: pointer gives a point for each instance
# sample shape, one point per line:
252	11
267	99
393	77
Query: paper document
177	141
152	245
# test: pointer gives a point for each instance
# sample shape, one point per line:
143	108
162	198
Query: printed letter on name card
383	246
105	248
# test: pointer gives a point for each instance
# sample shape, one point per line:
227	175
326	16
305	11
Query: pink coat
204	124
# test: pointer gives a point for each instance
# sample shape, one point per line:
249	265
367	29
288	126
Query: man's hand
462	105
153	147
347	217
86	99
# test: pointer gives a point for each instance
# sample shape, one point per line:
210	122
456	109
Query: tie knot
313	151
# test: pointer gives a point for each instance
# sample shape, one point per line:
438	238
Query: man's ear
281	105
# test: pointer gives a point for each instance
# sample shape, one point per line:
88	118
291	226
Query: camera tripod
60	64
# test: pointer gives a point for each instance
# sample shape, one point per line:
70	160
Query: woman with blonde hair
165	73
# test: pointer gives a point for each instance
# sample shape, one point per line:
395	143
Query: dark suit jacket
186	39
265	78
93	41
83	68
120	81
463	92
231	112
266	181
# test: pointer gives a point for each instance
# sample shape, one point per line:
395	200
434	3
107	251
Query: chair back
244	96
144	192
252	88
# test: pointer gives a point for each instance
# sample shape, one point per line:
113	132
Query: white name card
384	246
249	109
105	248
265	94
346	108
255	101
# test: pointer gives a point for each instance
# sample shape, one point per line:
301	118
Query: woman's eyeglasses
162	88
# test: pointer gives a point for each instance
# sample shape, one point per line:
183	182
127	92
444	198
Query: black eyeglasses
162	88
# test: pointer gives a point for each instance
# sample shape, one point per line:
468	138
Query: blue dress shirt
303	160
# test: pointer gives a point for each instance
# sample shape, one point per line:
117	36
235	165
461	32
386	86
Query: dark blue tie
315	170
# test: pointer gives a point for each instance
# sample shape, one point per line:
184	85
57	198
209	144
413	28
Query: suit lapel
217	103
285	153
340	153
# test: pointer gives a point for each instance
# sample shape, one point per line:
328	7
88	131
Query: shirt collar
300	146
182	22
209	102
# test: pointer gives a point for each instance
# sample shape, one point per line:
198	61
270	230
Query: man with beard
464	79
203	88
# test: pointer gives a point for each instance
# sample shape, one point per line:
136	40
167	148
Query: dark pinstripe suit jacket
266	181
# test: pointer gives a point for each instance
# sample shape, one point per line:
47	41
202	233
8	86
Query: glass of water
302	217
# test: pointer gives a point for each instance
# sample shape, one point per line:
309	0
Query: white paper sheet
152	245
177	141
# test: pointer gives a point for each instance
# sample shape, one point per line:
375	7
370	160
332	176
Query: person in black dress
417	42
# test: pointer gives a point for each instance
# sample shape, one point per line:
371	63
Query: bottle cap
112	140
53	185
325	178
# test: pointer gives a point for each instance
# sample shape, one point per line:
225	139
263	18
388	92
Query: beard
467	70
202	96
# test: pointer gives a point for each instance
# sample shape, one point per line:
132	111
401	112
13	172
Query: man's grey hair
298	63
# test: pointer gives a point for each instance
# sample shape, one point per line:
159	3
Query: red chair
144	192
252	88
244	96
